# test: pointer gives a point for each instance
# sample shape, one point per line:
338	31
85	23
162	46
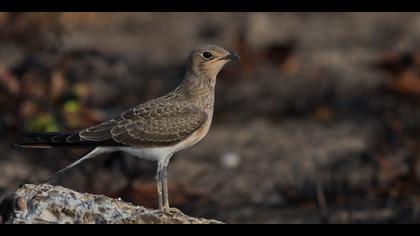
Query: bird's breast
195	137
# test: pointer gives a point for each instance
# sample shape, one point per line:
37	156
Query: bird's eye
207	55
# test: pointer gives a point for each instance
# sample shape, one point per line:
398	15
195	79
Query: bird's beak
230	57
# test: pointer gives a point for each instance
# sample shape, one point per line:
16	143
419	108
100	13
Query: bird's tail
52	139
61	140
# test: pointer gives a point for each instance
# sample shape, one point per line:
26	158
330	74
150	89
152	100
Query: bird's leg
162	184
165	187
166	206
159	183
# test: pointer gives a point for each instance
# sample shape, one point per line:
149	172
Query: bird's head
208	60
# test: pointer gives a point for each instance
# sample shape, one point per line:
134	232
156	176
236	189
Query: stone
47	204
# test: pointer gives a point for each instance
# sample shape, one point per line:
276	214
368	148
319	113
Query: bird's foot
171	211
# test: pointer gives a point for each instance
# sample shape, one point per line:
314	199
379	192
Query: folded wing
150	124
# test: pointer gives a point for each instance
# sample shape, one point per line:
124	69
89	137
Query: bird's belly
150	154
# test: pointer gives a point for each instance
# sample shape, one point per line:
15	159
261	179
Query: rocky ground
46	204
318	123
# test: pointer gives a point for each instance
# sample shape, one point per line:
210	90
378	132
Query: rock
40	204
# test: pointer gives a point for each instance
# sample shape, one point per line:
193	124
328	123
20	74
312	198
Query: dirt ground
317	123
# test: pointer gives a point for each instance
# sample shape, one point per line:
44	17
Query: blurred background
317	123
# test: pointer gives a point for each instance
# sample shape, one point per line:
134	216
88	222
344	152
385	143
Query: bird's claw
171	211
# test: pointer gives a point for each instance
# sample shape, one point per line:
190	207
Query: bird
154	130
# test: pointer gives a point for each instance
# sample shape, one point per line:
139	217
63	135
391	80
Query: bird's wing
99	132
152	123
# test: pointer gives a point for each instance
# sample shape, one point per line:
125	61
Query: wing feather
99	132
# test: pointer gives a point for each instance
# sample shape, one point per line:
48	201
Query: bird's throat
200	90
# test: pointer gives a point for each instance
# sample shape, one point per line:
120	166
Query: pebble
21	204
231	160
